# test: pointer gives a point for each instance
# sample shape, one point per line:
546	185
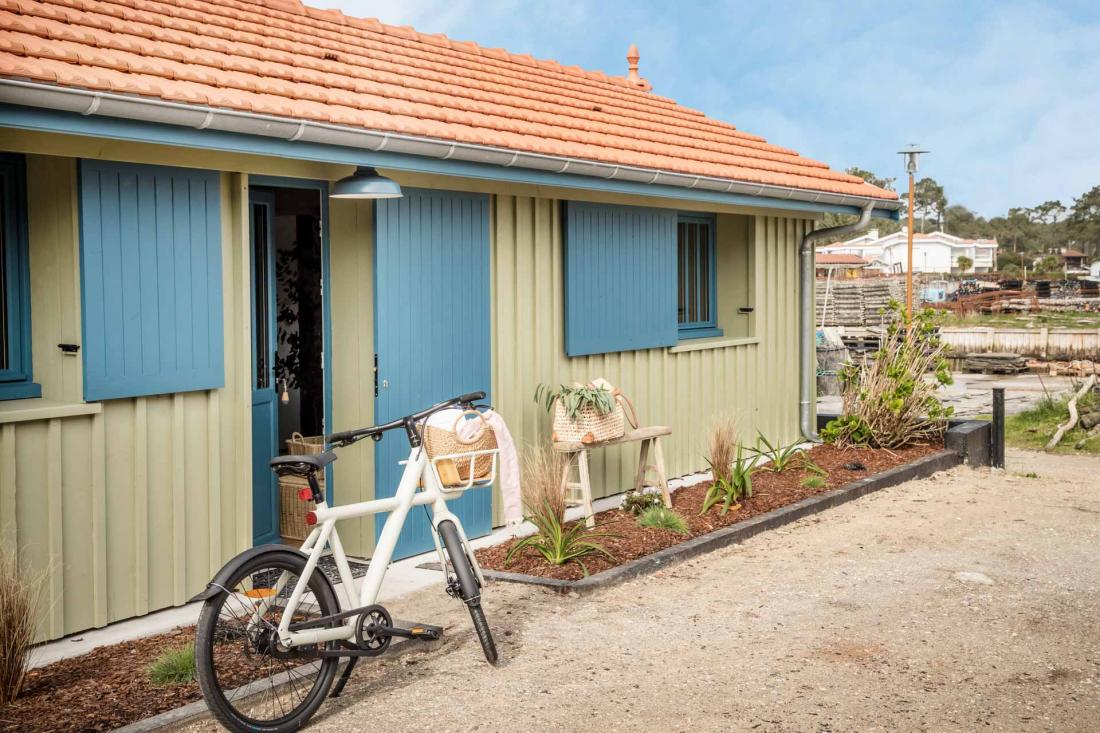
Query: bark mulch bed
771	490
104	689
109	687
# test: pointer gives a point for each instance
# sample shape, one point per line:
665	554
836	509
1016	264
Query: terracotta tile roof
1073	253
281	58
839	259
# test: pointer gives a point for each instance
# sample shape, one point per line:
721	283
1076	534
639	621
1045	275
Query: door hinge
376	375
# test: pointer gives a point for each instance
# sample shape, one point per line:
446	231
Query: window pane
693	239
681	274
4	336
693	273
704	272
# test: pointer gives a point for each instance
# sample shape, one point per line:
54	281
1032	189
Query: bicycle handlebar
348	437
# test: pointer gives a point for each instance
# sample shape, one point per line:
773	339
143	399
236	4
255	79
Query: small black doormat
326	565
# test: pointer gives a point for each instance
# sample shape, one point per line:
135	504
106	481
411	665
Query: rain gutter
407	152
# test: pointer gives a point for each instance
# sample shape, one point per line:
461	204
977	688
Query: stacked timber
877	295
993	362
857	303
1075	368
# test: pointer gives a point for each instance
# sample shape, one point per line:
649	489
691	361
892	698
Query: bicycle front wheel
468	586
247	684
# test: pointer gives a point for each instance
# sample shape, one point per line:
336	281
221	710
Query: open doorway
288	394
299	322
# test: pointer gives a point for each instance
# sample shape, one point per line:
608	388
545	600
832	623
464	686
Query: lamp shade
366	183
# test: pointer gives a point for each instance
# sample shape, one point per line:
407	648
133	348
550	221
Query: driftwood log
1073	416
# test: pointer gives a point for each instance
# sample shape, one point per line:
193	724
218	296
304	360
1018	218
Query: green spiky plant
544	500
557	543
174	666
661	517
779	458
734	485
808	465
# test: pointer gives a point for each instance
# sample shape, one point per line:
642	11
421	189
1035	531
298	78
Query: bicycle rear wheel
469	587
247	685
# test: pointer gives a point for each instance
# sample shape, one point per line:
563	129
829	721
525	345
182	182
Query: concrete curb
921	468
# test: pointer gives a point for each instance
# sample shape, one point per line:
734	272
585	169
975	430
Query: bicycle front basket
462	463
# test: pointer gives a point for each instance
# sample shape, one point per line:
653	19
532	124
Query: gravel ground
967	601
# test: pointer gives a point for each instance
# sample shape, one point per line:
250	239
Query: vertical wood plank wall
132	509
755	383
351	251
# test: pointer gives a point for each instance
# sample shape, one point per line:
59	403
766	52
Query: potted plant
583	413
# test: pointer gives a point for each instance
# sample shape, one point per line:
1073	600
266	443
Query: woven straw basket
292	512
456	471
589	426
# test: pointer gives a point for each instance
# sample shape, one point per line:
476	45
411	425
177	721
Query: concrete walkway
967	601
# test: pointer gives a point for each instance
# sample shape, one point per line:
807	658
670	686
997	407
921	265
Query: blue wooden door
431	330
265	503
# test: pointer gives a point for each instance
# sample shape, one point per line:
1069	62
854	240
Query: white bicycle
273	629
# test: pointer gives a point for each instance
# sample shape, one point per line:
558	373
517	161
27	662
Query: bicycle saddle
303	464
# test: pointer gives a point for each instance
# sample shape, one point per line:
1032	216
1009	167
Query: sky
1005	95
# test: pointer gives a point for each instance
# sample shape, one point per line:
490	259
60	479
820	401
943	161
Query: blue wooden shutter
152	279
620	278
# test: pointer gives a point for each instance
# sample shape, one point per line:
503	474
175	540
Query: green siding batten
620	278
151	269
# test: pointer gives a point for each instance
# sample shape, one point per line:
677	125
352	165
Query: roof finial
632	58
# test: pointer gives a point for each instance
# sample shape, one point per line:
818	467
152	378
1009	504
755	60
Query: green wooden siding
130	507
756	383
131	504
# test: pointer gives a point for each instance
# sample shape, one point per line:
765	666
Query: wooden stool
579	492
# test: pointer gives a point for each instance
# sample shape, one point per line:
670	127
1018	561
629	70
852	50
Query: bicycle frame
324	533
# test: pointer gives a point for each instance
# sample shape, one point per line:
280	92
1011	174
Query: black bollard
997	432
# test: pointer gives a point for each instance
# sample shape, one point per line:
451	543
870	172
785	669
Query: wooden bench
579	492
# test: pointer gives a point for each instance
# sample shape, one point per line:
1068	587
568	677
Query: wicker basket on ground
292	511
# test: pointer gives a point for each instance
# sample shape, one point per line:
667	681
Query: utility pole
911	154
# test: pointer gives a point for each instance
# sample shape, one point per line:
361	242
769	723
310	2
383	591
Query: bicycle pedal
425	632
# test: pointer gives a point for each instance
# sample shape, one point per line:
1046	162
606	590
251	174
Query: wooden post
909	251
586	490
997	436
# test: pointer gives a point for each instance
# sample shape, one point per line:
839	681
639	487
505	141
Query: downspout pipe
808	343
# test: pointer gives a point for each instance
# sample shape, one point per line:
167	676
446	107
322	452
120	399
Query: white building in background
934	252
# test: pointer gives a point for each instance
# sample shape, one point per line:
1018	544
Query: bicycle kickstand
344	677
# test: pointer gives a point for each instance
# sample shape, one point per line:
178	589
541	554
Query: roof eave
340	144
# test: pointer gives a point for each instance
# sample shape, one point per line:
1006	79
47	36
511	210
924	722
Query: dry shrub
542	489
892	400
722	446
20	595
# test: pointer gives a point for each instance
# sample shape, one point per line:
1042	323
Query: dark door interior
288	336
